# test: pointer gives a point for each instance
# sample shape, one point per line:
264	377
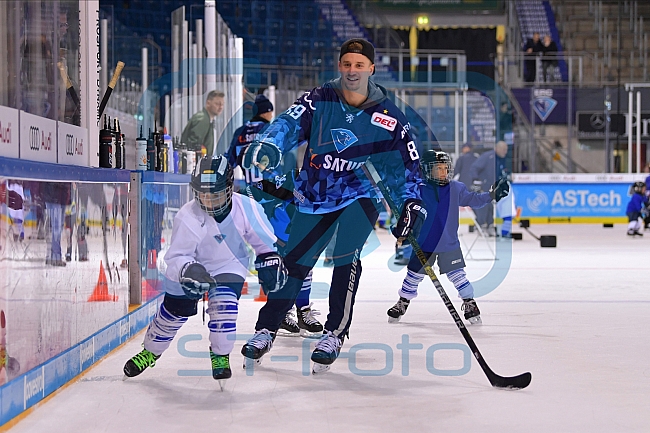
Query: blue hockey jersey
440	230
244	135
340	139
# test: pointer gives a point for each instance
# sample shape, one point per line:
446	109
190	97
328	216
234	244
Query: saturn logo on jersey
383	121
219	238
339	164
343	138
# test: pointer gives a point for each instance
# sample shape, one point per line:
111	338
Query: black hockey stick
515	382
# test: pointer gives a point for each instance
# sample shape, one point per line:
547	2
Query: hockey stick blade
515	382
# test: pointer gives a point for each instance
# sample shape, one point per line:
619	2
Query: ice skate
289	326
139	363
257	346
472	313
309	326
326	351
396	312
220	368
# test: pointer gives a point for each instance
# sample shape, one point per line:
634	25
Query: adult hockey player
207	253
441	197
276	197
345	121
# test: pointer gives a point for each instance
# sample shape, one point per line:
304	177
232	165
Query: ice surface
573	316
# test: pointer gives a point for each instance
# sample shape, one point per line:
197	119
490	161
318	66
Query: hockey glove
271	272
261	155
196	281
500	189
411	219
477	186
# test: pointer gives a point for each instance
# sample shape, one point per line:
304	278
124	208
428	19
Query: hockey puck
517	236
608	225
548	241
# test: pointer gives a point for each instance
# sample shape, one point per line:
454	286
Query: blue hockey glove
271	272
477	186
411	219
261	155
500	189
196	281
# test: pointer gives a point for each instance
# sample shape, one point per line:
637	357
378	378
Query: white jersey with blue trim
340	139
219	247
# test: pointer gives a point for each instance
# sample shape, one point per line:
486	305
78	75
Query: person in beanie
345	122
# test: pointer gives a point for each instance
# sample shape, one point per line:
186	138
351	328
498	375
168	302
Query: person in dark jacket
490	166
56	196
532	48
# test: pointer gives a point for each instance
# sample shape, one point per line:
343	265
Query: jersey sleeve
293	126
469	198
182	248
231	154
258	230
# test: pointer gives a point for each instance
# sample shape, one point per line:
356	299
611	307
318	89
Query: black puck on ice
608	225
548	241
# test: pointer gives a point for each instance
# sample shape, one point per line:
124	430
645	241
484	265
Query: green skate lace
144	359
219	361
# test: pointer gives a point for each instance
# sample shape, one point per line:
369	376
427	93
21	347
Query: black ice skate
396	312
220	368
472	313
257	346
289	326
326	351
309	326
139	363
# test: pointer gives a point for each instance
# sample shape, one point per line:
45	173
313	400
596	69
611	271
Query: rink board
33	386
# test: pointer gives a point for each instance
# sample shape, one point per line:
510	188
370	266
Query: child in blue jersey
276	197
438	238
637	208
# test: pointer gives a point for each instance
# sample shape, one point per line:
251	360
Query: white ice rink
575	316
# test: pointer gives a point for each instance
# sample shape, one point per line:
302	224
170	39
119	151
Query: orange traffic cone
151	285
261	297
244	289
100	294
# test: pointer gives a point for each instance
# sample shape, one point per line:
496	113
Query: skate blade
285	333
319	368
306	334
248	362
476	320
394	319
222	384
125	377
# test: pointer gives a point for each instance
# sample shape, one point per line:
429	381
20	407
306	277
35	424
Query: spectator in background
56	196
489	167
464	164
199	131
646	220
532	47
549	58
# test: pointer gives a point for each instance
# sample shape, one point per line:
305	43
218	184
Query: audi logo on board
73	145
38	140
